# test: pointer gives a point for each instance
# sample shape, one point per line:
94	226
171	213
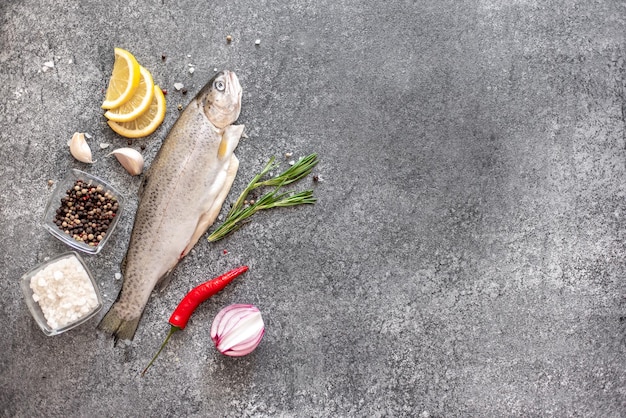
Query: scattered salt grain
88	135
48	65
257	42
292	162
64	292
178	86
104	145
118	276
191	70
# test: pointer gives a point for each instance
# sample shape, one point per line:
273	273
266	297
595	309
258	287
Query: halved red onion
237	330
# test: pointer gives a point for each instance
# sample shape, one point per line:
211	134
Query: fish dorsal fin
230	139
142	186
123	265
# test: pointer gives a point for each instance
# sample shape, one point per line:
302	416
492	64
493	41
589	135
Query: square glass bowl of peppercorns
83	211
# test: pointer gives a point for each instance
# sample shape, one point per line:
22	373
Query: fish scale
181	196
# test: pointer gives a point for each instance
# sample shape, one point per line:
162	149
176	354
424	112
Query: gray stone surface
466	255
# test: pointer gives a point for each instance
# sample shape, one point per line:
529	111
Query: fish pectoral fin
230	139
208	217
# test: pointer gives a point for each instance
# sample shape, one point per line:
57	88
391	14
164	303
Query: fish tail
120	329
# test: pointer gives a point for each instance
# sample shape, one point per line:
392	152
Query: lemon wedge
124	79
146	123
138	103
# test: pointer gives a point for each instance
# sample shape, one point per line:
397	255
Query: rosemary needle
239	214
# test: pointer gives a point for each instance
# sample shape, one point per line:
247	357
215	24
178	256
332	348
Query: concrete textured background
466	255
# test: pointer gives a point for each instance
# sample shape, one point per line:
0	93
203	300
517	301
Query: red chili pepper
192	300
199	294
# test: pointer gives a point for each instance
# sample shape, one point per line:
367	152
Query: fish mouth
233	84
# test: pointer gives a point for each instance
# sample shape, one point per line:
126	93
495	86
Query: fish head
220	99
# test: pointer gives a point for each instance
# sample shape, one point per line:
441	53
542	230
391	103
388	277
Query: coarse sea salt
64	292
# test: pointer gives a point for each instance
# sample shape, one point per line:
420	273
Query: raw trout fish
180	197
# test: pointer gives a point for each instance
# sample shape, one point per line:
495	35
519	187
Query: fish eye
219	85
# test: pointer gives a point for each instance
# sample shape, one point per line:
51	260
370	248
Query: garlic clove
79	148
131	160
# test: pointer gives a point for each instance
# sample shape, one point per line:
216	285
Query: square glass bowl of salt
61	293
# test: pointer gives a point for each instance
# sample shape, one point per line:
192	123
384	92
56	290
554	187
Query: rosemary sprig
239	214
251	186
299	170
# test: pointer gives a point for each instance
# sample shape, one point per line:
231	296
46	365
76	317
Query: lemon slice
124	79
145	124
138	103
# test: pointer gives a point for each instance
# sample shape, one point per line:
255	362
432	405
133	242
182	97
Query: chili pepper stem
173	329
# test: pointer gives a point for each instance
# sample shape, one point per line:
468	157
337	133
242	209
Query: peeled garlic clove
130	159
80	149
